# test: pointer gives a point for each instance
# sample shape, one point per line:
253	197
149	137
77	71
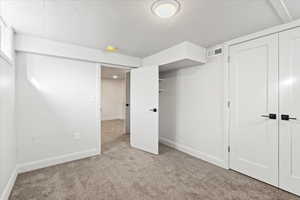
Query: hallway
112	132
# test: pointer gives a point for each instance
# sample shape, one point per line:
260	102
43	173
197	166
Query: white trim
30	166
118	66
9	186
281	9
227	45
269	31
226	108
6	58
2	20
98	107
193	152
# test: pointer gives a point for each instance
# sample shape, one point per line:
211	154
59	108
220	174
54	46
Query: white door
127	114
144	108
254	96
289	155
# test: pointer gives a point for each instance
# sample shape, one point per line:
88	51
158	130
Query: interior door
254	105
144	91
127	111
289	107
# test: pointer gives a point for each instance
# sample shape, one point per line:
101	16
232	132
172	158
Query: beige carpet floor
124	173
111	132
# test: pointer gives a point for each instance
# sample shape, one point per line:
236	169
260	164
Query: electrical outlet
76	136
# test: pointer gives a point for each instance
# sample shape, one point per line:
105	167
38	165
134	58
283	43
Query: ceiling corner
281	10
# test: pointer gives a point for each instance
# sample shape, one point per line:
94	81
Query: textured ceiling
131	26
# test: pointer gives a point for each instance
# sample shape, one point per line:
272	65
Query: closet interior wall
192	110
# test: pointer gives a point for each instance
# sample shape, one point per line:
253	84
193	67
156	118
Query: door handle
287	117
153	110
270	116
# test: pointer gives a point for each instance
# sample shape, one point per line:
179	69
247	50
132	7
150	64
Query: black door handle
270	116
153	110
287	117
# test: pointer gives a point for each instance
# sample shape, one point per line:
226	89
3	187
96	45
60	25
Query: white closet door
254	93
144	108
289	156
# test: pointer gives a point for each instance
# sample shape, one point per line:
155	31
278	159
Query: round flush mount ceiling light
165	8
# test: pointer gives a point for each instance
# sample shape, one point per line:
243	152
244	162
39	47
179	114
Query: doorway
115	102
129	108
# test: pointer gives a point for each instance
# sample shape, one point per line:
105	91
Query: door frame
271	126
98	99
227	98
127	101
98	108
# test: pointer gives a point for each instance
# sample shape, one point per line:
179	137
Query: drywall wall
8	146
7	133
180	52
56	107
37	45
113	99
192	110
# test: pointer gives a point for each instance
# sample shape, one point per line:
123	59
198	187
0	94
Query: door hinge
228	149
228	104
228	59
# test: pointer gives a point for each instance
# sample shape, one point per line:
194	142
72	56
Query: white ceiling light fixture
165	8
115	77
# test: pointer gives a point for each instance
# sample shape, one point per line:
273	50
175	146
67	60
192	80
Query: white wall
55	100
182	51
192	110
8	146
113	99
32	44
7	133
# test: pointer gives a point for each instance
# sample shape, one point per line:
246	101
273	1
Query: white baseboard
9	185
193	152
110	119
30	166
42	164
